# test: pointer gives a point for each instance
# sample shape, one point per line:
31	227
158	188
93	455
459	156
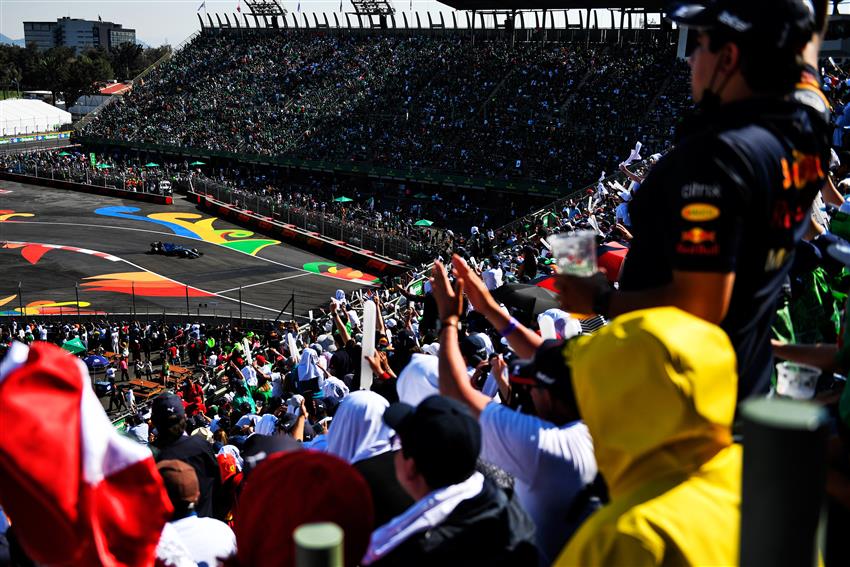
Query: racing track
114	264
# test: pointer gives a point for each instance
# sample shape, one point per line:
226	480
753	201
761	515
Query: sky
158	22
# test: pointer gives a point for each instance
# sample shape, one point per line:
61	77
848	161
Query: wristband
509	329
602	302
443	324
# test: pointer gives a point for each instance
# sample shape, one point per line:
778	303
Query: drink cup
796	381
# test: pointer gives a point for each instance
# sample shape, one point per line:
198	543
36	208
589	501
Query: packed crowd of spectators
382	216
489	426
483	108
72	165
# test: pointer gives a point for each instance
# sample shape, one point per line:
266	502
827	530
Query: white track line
169	234
268	282
271	309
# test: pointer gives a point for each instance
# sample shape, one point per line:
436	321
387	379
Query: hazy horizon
156	22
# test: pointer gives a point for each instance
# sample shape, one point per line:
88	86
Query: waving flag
202	6
634	155
77	492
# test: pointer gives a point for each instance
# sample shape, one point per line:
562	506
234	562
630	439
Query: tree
152	55
54	68
85	72
127	60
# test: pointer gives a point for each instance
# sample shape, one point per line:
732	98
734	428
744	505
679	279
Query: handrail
94	113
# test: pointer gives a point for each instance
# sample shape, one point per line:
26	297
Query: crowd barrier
313	241
88	188
356	230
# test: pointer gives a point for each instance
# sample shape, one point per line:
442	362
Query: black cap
404	339
474	349
779	24
441	437
548	368
258	448
166	408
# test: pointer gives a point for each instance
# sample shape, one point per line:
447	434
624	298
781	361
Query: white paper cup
796	381
575	253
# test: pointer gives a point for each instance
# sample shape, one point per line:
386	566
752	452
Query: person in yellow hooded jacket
657	390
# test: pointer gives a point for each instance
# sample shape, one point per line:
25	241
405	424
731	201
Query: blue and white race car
171	249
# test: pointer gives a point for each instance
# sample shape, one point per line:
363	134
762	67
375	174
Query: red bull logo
699	236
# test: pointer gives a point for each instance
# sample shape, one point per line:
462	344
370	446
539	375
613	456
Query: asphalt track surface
115	253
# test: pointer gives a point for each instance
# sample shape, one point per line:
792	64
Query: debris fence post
784	481
318	545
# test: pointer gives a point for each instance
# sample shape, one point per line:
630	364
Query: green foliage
70	75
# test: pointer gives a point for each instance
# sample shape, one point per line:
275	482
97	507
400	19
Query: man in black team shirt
716	222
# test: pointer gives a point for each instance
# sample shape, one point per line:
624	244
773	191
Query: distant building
77	34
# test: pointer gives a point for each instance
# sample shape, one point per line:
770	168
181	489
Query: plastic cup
796	381
575	253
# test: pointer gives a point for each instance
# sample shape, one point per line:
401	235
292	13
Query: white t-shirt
139	433
492	278
248	419
551	466
622	214
206	540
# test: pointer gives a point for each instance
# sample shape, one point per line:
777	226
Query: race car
171	249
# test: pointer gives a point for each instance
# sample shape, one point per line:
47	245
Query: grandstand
533	113
484	145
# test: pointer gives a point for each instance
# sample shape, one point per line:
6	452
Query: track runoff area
64	253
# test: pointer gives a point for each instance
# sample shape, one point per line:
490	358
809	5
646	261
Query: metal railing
87	176
557	206
355	230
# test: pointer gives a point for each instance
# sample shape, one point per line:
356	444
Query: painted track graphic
59	247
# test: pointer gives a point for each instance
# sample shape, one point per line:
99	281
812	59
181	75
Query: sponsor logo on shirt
699	236
701	191
803	170
776	258
698	249
700	212
785	216
698	242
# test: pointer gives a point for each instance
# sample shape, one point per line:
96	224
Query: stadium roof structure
265	8
116	89
647	5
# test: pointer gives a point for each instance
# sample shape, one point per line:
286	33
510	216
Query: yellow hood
657	389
